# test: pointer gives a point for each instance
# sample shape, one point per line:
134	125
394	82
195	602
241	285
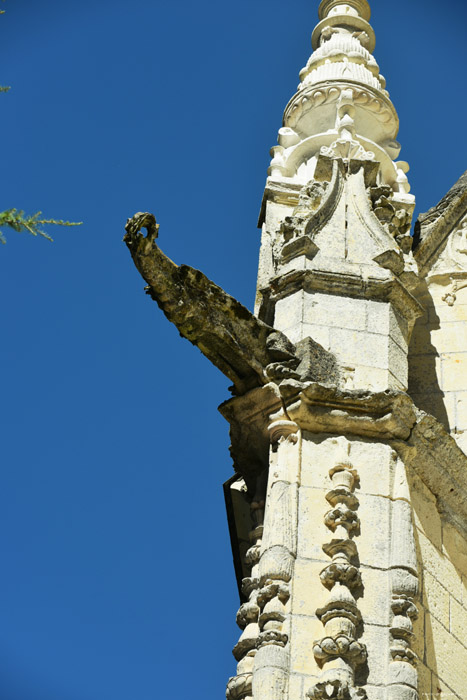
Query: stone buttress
326	442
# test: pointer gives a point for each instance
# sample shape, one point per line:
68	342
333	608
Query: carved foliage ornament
347	149
340	615
394	218
335	690
340	645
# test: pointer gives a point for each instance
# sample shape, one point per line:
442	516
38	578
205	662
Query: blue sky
117	581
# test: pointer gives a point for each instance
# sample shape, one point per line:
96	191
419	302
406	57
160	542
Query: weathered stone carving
296	231
340	646
347	149
405	611
276	565
244	348
336	272
340	616
335	690
341	572
240	686
394	217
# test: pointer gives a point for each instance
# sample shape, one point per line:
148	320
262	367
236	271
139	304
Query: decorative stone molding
302	103
403	584
340	646
395	218
316	204
340	615
276	563
342	516
405	611
240	686
311	97
341	572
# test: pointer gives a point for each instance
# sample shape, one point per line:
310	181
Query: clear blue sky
117	581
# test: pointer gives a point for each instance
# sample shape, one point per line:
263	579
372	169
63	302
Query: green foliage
19	222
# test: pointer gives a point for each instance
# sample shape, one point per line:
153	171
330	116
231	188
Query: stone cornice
349	283
280	192
390	416
366	97
316	407
319	408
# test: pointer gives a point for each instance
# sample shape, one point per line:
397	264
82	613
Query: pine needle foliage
20	222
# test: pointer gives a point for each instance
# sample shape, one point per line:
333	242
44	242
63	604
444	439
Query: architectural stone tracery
352	578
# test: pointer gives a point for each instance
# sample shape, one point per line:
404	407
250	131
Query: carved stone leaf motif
343	516
344	573
239	686
275	637
402	605
248	612
347	149
395	219
340	614
335	690
341	645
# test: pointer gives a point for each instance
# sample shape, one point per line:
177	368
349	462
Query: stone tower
348	505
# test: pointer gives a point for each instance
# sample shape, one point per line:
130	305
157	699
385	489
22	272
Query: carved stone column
278	552
239	687
404	593
339	652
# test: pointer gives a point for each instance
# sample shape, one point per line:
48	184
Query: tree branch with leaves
20	222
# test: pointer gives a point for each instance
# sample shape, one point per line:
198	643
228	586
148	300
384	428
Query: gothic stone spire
326	442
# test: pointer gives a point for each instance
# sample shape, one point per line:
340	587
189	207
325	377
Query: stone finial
349	16
355	8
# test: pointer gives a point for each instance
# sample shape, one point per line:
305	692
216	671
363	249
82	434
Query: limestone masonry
348	422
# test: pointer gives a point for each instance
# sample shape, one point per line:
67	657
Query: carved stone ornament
341	609
335	690
239	687
340	614
248	612
404	605
272	637
339	646
347	149
295	236
405	611
394	217
341	572
342	516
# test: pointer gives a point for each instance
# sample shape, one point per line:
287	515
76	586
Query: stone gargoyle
247	350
